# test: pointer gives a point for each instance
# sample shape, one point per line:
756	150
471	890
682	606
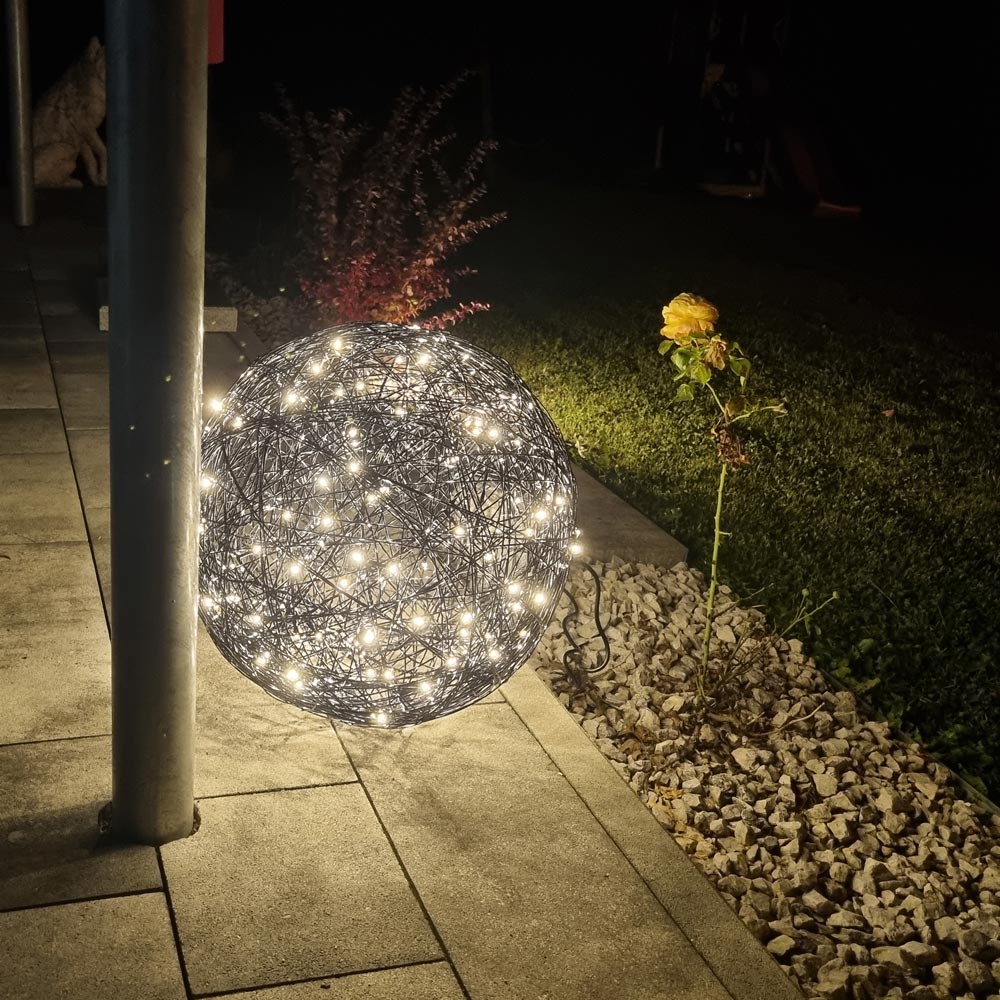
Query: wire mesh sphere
387	518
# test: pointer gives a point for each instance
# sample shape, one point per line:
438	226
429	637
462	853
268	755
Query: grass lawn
882	484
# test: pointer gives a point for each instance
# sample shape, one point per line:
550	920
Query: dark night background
897	99
875	129
892	106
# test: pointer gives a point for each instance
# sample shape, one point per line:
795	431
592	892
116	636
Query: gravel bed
848	852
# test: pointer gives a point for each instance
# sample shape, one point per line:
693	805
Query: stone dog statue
66	121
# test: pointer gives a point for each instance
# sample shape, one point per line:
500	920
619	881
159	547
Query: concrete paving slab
84	399
72	326
248	742
92	464
13	253
99	530
24	334
25	377
65	263
310	888
57	306
16	286
50	848
32	431
529	894
38	500
611	527
433	981
51	582
113	948
52	272
64	298
79	356
19	313
743	966
56	680
77	292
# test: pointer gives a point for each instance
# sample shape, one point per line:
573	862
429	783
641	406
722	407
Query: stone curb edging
716	932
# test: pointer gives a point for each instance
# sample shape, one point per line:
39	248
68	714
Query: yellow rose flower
715	353
688	315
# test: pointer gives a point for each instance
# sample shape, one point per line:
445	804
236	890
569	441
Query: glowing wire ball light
387	517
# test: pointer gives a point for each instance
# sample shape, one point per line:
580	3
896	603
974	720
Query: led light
216	405
539	598
388	557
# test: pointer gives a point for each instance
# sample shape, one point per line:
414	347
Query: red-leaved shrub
379	219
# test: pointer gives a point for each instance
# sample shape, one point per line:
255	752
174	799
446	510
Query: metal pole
157	97
22	178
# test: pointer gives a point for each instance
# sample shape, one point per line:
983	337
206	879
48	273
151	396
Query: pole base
105	826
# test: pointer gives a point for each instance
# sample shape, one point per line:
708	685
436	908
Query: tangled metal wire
388	516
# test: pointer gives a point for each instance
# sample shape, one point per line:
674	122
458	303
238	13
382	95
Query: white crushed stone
849	853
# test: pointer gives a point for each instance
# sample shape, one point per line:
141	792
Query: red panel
216	45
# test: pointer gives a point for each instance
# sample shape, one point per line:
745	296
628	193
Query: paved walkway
494	854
